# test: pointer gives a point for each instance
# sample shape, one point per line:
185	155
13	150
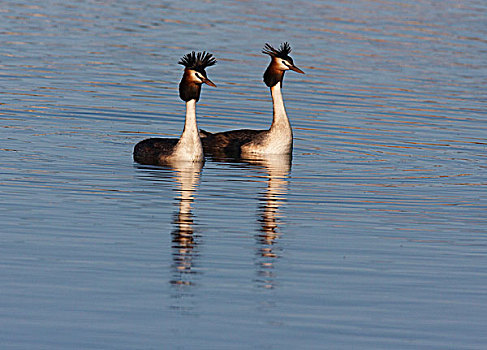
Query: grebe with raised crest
276	140
158	151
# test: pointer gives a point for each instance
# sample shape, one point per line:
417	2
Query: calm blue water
374	235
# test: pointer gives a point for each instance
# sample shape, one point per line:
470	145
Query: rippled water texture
373	236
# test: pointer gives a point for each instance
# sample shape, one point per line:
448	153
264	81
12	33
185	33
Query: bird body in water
159	151
278	139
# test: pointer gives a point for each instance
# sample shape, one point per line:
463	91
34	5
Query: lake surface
374	235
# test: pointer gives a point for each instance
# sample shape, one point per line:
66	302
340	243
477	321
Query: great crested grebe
157	151
279	138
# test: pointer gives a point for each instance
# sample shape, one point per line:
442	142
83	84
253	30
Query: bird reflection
277	168
184	241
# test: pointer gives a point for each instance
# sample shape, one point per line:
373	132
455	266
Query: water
373	236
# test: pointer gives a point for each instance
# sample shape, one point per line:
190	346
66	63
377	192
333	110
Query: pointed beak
209	82
296	69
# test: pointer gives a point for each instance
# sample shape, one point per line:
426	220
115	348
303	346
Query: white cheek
194	77
285	66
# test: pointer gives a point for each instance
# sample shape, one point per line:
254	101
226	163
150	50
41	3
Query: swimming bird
158	151
276	140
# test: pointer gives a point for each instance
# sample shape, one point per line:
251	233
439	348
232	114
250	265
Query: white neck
189	146
190	126
279	138
280	120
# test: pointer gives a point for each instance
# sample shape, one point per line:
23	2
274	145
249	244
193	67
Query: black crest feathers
197	61
283	51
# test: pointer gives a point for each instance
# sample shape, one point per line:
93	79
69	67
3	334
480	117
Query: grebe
279	138
157	151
